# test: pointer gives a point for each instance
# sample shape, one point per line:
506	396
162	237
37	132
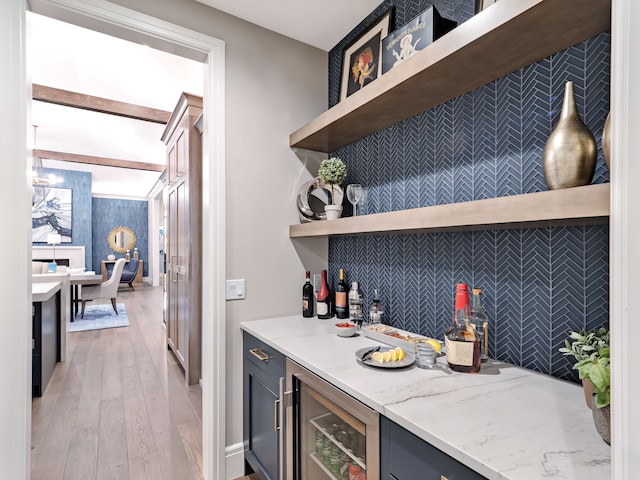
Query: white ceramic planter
333	211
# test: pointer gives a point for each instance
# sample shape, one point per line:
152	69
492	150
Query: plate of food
385	357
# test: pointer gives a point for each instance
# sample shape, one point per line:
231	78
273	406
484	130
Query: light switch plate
235	289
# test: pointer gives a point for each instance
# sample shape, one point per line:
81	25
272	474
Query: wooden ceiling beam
67	98
103	161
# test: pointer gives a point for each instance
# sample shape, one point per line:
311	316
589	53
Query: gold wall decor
121	239
569	156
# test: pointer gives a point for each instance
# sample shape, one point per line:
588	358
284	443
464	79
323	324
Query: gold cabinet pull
259	354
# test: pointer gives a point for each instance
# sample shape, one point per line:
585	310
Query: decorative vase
602	421
587	386
333	212
569	156
111	258
606	141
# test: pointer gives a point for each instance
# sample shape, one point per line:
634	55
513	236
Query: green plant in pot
333	172
591	351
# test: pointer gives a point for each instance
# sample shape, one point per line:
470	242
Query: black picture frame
361	61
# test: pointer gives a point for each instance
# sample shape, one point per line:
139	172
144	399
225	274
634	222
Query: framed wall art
51	213
361	62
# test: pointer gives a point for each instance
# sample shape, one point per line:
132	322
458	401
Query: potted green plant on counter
591	350
333	172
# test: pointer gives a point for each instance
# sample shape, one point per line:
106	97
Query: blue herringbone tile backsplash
538	283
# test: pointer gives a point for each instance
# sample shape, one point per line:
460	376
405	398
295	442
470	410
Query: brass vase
569	156
606	141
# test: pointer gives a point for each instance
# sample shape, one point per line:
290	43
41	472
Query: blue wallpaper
80	183
538	283
110	213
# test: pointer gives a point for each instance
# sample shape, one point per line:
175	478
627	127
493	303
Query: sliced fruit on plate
393	355
378	357
386	356
400	355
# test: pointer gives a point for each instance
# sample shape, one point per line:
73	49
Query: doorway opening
129	25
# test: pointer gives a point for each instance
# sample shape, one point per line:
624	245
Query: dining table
77	279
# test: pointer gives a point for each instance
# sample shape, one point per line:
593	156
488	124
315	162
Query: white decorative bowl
349	331
111	258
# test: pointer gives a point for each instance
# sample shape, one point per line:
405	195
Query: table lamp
54	239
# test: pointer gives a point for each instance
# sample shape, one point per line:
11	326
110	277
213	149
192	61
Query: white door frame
123	22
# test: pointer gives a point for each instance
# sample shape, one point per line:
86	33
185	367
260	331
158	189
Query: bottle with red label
323	302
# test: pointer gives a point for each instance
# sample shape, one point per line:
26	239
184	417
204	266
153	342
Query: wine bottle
341	297
307	298
463	345
323	304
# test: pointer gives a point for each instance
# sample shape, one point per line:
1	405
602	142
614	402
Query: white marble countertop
43	291
506	422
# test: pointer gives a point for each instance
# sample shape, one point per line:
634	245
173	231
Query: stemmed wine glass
355	194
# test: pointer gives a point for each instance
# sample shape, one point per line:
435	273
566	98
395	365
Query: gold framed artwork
361	61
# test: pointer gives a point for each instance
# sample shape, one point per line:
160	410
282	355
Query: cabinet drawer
404	456
263	356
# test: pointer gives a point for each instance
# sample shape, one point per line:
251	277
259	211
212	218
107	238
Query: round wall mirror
121	239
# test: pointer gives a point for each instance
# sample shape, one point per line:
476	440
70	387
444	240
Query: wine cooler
328	434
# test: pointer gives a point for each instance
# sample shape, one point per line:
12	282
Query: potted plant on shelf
332	172
591	351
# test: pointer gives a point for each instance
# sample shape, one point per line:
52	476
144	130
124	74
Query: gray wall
274	85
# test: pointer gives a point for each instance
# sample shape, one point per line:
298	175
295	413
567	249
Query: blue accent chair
129	273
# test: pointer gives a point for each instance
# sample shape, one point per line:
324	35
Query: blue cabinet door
404	456
263	367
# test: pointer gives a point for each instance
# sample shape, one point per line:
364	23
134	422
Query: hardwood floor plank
89	406
111	380
113	461
82	459
139	437
145	468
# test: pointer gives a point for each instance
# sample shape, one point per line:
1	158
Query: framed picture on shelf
361	62
412	37
482	4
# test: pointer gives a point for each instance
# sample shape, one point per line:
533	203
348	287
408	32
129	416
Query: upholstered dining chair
108	289
129	273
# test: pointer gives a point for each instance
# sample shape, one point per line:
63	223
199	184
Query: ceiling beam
67	98
103	161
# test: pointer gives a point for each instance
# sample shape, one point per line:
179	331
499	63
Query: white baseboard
234	456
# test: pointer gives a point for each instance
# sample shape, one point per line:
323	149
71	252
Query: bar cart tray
394	336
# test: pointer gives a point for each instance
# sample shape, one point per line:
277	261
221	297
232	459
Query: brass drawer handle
259	354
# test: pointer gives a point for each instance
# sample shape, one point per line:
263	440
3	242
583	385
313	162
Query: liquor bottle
463	345
307	298
376	311
461	303
480	322
355	304
323	305
341	297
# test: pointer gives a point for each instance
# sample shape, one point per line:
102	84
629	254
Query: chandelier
38	177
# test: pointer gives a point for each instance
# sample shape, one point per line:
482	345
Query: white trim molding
625	238
15	288
125	23
235	461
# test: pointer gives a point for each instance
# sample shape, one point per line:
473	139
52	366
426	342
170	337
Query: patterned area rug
100	316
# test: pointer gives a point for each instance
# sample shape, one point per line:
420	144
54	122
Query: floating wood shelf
503	38
588	204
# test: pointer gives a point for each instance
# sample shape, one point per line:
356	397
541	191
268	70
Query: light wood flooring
118	408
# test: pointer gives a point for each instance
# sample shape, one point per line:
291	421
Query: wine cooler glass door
334	436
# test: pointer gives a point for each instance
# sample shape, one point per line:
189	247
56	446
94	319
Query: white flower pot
333	212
